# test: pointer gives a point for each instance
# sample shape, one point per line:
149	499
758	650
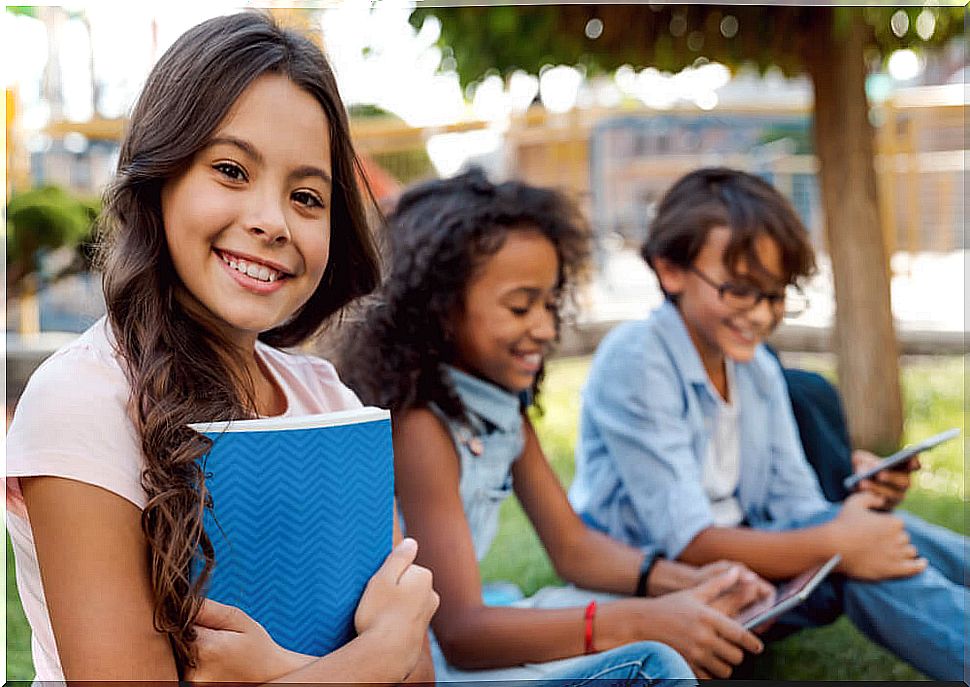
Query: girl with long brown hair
234	228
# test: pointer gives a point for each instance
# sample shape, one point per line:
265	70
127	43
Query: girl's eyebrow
531	292
301	172
244	146
305	171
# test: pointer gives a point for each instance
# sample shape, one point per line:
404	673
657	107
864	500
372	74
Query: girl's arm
472	635
94	569
581	555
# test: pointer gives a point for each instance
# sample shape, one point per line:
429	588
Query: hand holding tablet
788	596
900	457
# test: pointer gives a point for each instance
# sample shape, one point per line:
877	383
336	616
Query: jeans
640	664
643	664
923	619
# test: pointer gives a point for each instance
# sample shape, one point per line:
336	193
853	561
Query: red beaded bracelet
590	614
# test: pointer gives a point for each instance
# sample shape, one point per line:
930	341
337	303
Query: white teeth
252	269
532	358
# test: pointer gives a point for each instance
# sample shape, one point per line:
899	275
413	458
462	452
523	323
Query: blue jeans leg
922	619
944	549
642	663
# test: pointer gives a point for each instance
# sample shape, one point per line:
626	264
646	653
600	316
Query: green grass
934	389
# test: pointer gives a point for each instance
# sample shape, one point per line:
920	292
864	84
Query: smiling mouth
251	268
531	360
745	333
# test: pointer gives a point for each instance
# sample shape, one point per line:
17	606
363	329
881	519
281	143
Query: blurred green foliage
485	38
42	220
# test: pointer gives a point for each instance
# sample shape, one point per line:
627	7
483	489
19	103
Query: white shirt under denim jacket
647	411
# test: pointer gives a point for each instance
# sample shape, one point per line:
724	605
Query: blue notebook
302	517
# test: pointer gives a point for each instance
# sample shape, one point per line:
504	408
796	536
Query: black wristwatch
649	560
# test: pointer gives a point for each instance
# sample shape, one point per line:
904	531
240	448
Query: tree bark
864	336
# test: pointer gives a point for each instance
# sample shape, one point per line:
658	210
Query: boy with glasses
688	446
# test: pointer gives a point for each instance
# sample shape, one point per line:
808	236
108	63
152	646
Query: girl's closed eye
231	171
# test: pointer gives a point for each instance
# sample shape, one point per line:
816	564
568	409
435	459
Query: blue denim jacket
645	423
488	445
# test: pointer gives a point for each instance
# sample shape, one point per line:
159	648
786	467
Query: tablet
901	457
787	597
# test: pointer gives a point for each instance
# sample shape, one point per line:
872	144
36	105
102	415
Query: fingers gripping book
301	517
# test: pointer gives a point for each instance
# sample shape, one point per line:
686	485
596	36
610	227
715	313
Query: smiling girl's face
507	322
248	223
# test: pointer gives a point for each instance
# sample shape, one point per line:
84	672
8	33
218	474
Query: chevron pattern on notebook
301	519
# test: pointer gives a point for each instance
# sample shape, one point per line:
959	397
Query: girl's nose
268	222
544	327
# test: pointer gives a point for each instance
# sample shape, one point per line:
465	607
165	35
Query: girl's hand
750	587
232	647
892	484
397	606
711	642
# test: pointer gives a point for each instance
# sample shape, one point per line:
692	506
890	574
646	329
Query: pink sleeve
72	422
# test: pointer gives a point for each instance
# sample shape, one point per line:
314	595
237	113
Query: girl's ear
671	275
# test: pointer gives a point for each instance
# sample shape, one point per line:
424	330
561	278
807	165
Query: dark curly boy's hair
439	234
745	204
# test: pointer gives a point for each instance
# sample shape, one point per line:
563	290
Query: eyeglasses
791	302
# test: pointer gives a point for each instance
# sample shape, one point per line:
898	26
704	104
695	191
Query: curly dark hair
439	234
177	367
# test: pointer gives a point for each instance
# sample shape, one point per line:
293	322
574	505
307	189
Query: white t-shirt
722	465
72	421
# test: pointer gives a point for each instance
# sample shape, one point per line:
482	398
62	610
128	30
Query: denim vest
487	444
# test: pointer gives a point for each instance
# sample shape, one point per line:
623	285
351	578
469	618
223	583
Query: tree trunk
865	340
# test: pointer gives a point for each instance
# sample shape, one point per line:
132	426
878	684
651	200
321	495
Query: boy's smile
717	329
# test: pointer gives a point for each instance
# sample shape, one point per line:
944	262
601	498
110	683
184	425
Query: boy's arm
773	555
874	546
633	410
793	490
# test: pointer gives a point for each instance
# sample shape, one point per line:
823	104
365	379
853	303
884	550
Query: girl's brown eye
230	171
307	199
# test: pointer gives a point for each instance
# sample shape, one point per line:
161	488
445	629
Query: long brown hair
177	367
